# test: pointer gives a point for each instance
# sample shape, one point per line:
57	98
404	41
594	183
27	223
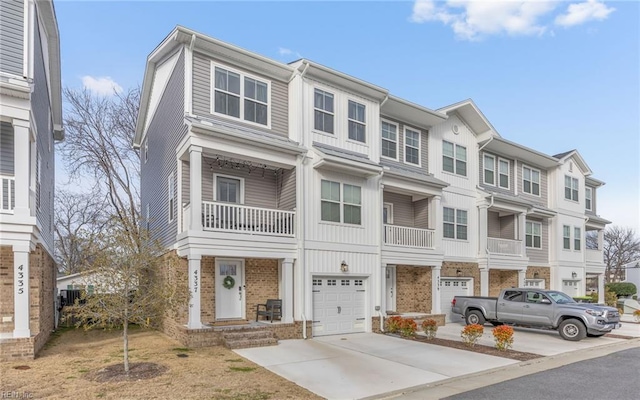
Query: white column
522	273
21	292
383	288
601	288
435	220
195	187
286	290
435	291
600	239
194	291
484	282
522	223
21	159
483	228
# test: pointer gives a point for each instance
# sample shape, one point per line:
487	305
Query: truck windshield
560	298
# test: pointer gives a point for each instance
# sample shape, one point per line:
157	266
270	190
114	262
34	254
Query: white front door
391	288
229	283
449	288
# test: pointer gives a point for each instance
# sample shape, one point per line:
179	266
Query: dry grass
65	367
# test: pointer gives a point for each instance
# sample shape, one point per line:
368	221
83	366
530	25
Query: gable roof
411	113
578	159
506	147
472	115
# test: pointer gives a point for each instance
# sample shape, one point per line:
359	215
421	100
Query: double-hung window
588	195
357	124
533	235
455	223
531	181
241	96
336	208
503	173
389	140
454	158
566	237
570	188
172	197
323	113
489	169
490	166
577	238
228	190
411	146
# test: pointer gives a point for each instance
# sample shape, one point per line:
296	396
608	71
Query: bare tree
79	219
99	134
621	246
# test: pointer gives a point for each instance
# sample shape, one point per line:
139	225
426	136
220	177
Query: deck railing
7	193
243	219
505	246
409	237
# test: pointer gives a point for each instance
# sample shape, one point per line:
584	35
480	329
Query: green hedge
622	288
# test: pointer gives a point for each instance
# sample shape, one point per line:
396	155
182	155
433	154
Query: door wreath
228	282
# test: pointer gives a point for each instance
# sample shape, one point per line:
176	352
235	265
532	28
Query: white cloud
283	51
104	85
579	13
476	19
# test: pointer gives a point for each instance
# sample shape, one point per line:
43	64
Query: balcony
235	218
409	237
7	194
506	247
594	256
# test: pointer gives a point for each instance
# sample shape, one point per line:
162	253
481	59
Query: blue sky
552	76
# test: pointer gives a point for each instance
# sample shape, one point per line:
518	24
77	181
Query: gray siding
540	200
421	212
202	95
424	153
508	227
493	224
165	131
402	208
540	256
287	189
186	182
11	36
6	149
41	109
496	188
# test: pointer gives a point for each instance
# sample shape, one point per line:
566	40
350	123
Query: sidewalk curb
464	383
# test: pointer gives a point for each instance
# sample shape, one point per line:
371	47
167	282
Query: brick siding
501	279
413	289
467	270
543	273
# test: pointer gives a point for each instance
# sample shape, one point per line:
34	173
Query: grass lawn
65	370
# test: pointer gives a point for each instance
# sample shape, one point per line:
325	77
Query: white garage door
338	305
450	288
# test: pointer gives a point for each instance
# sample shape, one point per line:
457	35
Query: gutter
486	144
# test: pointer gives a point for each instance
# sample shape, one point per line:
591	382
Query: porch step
255	337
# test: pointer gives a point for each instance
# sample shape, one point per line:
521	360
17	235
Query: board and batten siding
456	248
543	198
424	147
202	96
496	188
165	131
6	149
540	256
403	214
12	36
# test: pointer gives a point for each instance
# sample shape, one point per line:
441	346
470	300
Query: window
570	188
172	198
577	238
389	140
146	150
454	158
566	237
241	96
387	213
513	295
332	204
531	181
503	173
411	146
323	111
489	169
455	223
357	122
588	194
533	235
228	189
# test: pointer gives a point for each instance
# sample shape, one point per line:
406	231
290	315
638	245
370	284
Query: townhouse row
302	183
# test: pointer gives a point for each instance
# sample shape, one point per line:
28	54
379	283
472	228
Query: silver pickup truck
539	309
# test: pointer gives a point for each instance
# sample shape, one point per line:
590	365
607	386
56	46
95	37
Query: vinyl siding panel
165	131
493	224
186	182
202	96
402	208
424	149
455	248
540	256
508	227
421	213
543	198
11	36
287	187
6	149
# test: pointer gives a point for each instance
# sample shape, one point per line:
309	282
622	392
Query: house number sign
195	281
20	287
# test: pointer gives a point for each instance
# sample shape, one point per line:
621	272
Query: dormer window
240	96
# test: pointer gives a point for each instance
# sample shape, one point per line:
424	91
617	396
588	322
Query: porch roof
597	220
337	158
411	175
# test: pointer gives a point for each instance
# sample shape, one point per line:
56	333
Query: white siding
461	249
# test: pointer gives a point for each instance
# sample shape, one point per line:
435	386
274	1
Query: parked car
540	309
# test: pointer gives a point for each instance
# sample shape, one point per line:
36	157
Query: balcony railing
409	237
7	194
505	246
243	219
595	256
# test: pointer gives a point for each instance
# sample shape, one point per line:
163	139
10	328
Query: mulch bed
478	348
614	336
137	371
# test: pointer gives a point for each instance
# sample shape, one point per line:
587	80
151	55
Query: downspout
487	248
381	241
303	217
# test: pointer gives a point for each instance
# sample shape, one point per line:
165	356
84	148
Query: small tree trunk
125	336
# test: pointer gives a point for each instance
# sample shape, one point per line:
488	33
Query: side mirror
545	301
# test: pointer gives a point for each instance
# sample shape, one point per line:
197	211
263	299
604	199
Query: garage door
338	305
450	288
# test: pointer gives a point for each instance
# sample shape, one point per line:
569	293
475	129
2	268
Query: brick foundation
413	286
467	270
501	279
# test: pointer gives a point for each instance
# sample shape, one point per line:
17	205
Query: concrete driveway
365	364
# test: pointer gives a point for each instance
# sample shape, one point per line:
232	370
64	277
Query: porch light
458	272
536	275
344	267
574	275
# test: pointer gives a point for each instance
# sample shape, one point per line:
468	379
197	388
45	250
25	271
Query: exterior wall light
344	267
574	275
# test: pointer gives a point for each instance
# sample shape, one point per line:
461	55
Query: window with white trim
357	124
533	235
571	188
336	208
577	238
531	181
323	113
454	158
228	189
172	197
411	146
240	96
566	237
455	223
389	140
489	164
503	173
588	195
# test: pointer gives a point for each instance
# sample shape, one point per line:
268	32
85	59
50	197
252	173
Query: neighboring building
633	274
298	182
30	123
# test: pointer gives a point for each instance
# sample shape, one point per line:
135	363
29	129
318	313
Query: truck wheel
475	317
572	329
